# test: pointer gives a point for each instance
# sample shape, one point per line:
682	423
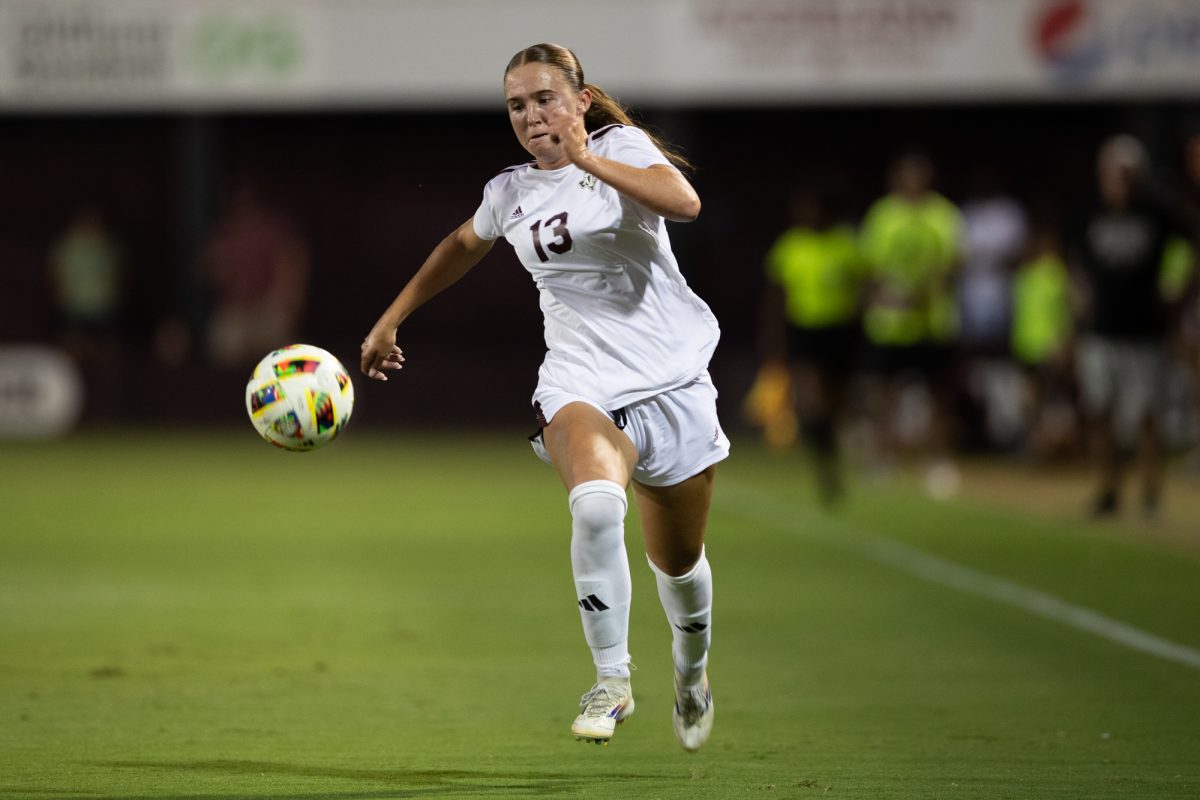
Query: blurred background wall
358	133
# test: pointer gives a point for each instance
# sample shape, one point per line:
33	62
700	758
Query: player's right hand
379	353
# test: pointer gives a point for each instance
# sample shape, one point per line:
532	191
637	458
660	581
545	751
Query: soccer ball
299	397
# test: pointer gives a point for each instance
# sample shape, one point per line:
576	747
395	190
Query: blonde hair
605	109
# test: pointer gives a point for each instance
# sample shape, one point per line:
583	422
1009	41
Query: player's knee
679	562
597	507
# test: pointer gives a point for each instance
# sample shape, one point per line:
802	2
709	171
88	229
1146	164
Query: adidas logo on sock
592	603
517	214
695	627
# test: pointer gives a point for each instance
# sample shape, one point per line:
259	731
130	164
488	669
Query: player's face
540	101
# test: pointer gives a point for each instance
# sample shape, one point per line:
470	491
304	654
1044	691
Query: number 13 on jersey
557	226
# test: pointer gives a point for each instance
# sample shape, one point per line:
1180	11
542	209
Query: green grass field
202	616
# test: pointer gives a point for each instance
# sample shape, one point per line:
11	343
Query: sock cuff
686	577
614	657
598	487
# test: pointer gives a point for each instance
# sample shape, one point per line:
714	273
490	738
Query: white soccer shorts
676	433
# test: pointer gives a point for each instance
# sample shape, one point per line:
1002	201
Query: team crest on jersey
588	182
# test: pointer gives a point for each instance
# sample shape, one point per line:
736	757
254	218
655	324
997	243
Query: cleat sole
592	739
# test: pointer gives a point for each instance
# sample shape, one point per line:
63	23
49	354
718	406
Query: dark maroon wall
371	193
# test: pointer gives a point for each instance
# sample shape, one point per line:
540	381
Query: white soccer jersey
621	323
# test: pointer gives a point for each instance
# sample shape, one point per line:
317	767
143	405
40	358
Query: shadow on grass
396	783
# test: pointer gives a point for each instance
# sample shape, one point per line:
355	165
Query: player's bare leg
674	519
595	461
673	524
585	445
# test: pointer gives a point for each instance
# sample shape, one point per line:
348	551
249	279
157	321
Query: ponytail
605	109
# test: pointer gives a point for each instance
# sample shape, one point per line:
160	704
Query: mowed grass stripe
764	508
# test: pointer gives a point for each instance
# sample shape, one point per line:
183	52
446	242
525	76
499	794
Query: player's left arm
659	187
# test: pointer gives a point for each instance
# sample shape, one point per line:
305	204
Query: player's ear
584	102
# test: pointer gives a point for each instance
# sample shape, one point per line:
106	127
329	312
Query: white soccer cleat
692	718
601	709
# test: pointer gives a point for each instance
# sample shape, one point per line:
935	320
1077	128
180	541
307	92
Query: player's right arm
448	262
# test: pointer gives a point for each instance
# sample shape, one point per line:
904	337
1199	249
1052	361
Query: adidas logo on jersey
517	214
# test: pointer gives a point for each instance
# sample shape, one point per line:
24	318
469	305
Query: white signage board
154	54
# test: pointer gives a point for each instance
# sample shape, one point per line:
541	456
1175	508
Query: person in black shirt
1125	322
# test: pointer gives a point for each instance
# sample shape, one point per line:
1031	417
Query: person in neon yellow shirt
86	273
1041	307
1184	268
811	314
1041	338
912	239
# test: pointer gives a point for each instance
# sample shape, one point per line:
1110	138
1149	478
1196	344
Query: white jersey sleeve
628	145
484	221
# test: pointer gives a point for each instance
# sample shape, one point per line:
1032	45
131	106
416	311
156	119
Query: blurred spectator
85	273
257	268
1181	280
1042	323
995	231
1189	251
1178	273
770	404
995	235
1122	357
913	241
811	322
84	266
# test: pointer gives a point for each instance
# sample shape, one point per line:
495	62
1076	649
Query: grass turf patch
193	616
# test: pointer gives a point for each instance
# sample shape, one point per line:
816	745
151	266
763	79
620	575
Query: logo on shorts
588	182
517	214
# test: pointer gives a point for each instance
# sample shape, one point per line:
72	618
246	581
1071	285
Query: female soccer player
624	393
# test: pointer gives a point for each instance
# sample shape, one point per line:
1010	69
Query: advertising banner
153	54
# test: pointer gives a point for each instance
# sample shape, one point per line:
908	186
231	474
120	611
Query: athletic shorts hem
547	404
672	480
665	429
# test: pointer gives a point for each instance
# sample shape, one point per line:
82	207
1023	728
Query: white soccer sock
687	601
601	570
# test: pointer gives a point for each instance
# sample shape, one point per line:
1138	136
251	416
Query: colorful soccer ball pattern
299	397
